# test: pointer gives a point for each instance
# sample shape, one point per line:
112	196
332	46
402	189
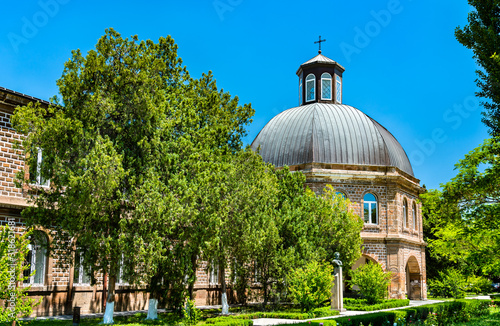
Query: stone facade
397	245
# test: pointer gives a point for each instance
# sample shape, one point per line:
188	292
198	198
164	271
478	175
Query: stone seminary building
331	143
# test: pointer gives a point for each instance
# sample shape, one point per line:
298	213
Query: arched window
338	88
370	209
341	194
414	216
36	259
310	83
405	213
300	90
326	86
80	274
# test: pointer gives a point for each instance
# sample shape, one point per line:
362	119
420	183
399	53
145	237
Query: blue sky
404	67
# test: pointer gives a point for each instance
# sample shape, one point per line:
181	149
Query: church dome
329	133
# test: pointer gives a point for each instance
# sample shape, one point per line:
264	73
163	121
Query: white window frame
38	174
326	77
300	91
213	274
81	271
120	280
405	213
308	82
338	89
414	216
370	206
33	249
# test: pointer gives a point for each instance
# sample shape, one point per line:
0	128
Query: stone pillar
337	290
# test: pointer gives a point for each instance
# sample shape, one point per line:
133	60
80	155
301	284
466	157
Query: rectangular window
338	90
80	275
367	213
374	214
214	274
120	278
326	89
300	91
36	175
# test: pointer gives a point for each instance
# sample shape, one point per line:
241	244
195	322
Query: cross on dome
319	42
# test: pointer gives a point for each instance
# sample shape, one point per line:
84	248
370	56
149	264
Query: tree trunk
194	265
153	298
152	308
110	301
225	306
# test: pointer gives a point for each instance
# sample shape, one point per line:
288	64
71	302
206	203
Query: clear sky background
404	67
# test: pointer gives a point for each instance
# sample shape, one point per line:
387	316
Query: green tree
450	283
311	285
372	281
482	36
310	228
436	213
466	224
13	250
96	144
130	153
238	203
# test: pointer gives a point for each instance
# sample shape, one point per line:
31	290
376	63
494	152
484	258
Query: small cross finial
319	42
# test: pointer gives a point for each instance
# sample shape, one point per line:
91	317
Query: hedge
235	322
447	312
315	313
326	322
361	305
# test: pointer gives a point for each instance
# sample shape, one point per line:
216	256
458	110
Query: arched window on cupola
310	85
300	90
326	86
338	87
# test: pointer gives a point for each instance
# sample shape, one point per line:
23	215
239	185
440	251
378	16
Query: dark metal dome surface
331	134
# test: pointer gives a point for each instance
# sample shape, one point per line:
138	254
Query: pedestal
338	290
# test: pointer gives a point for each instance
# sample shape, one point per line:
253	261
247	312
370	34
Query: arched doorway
413	279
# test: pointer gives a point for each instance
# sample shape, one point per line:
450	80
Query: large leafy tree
238	202
482	36
465	215
309	228
117	151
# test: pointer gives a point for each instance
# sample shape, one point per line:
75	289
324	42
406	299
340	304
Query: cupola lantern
320	81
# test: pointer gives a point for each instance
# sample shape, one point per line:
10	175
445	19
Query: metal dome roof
329	133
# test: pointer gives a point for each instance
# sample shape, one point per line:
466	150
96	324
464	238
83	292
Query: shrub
315	313
326	322
191	313
479	284
372	282
445	313
362	304
311	285
449	284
